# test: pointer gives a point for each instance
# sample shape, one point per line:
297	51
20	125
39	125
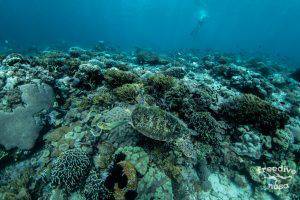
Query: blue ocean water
255	26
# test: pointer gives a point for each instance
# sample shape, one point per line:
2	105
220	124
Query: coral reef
177	72
104	124
12	59
89	75
206	126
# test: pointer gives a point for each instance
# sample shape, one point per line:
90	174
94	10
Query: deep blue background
257	26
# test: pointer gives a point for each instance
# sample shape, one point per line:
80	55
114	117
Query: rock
12	59
296	75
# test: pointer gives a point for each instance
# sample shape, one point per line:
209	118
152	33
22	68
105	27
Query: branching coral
175	97
12	59
116	78
70	169
205	125
89	75
128	92
94	188
159	84
177	72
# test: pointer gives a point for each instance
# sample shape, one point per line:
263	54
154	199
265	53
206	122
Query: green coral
155	185
128	92
116	78
205	125
203	97
175	98
137	156
104	98
159	83
73	64
147	57
250	109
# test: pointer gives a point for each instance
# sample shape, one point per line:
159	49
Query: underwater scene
149	100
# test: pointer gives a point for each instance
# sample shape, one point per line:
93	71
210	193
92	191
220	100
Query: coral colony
92	124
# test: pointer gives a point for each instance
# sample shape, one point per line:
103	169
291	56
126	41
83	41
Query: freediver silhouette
201	19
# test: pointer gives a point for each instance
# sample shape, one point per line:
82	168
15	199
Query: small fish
6	41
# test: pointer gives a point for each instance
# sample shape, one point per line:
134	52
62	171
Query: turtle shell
157	124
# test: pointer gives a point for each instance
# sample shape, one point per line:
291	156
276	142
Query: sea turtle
157	124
